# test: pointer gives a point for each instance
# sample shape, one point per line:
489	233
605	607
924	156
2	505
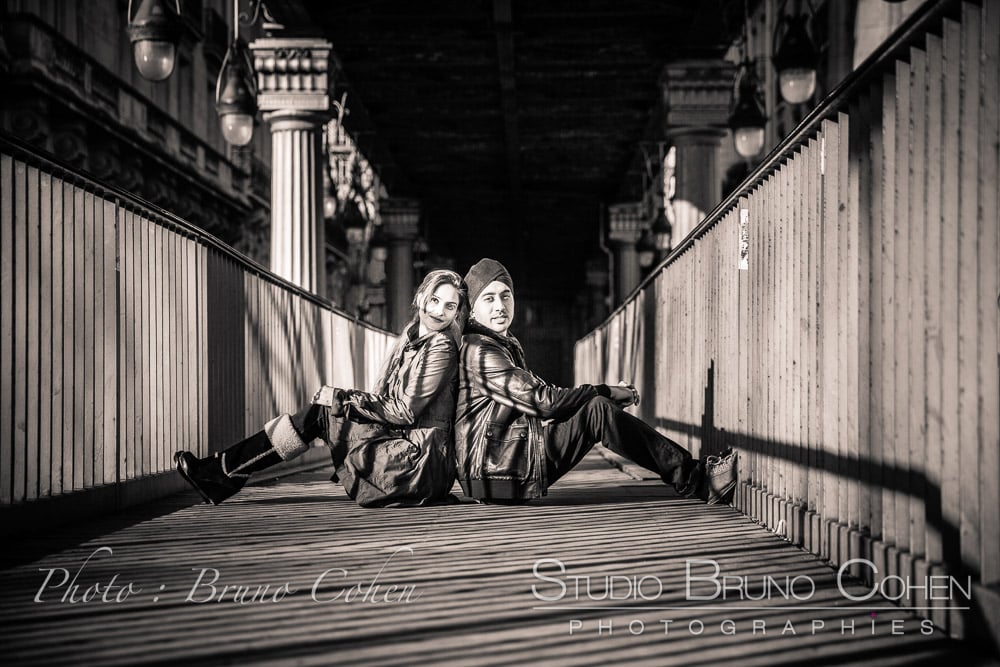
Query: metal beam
503	20
508	93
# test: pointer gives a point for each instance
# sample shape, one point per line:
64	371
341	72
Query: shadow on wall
980	622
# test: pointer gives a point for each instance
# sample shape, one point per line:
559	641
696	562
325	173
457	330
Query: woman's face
439	309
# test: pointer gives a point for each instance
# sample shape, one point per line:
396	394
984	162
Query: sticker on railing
744	257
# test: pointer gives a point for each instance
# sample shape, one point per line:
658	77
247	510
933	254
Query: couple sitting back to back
514	434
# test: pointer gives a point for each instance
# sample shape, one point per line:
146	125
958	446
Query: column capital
696	136
400	218
294	119
697	93
626	222
293	78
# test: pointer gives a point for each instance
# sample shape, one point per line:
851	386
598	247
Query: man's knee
601	409
600	403
598	413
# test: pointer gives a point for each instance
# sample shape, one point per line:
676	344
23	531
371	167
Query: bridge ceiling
513	121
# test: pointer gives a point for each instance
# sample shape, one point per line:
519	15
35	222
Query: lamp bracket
341	107
177	8
647	159
247	70
252	15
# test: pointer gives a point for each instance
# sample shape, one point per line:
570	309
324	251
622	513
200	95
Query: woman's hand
331	397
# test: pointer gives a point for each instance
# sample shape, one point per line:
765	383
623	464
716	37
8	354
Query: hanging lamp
795	60
747	119
154	31
235	91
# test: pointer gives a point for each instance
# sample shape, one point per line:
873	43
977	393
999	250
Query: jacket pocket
507	452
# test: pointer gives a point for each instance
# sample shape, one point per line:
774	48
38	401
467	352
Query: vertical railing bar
119	323
968	285
916	288
989	292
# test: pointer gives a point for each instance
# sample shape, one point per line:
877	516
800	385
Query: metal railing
854	362
128	334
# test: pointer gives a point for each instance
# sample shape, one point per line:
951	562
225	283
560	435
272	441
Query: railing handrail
67	172
913	29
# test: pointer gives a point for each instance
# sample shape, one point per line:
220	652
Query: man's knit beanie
482	274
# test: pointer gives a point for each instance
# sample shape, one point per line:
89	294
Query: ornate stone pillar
597	290
696	95
293	84
626	223
400	218
698	184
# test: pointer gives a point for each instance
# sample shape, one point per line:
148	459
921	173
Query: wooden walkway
463	585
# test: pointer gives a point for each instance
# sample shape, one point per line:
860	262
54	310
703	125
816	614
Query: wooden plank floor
467	572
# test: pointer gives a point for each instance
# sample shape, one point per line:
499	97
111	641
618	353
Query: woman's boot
222	475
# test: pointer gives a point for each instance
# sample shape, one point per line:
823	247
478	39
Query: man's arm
492	369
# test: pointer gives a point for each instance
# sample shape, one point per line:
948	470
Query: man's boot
693	480
222	475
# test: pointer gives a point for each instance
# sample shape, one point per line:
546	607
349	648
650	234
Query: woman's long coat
397	446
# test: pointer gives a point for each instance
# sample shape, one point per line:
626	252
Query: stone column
293	81
400	218
597	290
626	223
696	96
698	180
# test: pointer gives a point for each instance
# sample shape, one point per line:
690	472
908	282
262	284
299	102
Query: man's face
494	308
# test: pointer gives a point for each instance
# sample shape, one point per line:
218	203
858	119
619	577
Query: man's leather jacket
499	442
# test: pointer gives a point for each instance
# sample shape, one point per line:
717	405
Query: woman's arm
432	369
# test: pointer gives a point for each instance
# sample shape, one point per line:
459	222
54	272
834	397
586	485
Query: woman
392	446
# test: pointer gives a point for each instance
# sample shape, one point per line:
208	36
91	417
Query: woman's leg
222	475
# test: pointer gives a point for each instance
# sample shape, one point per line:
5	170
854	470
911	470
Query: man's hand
624	395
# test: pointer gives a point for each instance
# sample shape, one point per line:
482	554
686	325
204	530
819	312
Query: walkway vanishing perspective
295	572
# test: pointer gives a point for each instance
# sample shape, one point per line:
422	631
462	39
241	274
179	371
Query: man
515	435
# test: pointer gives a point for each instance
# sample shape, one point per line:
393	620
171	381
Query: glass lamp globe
237	128
154	58
797	84
749	140
329	206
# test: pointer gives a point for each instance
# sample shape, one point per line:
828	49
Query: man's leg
601	420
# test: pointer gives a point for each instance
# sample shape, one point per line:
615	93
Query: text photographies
704	583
